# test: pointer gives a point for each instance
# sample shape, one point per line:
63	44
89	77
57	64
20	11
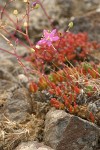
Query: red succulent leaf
92	117
33	87
76	90
67	104
58	91
52	85
71	109
71	56
72	98
54	102
51	91
65	97
42	83
75	107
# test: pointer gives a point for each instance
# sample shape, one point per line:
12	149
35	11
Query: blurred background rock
84	13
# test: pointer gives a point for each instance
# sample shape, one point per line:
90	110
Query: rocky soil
27	122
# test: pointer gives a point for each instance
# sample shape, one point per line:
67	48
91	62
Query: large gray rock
76	7
89	23
55	124
32	145
66	132
80	134
59	11
18	106
15	101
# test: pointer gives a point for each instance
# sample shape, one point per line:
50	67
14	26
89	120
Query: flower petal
53	32
43	41
55	38
45	33
49	43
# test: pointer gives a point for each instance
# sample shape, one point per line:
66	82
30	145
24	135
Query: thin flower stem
8	16
27	70
3	8
54	48
17	25
2	11
27	17
13	37
8	52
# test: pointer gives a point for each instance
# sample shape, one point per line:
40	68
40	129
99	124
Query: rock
70	7
6	75
59	12
94	107
14	100
41	96
40	101
6	85
67	132
55	124
80	134
89	23
22	78
7	64
84	6
98	118
18	106
97	103
32	145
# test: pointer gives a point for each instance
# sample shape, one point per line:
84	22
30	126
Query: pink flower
48	38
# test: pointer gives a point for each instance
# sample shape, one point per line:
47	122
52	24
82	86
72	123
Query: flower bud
70	25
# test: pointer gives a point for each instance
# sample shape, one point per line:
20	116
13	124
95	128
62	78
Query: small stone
32	145
92	107
22	78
